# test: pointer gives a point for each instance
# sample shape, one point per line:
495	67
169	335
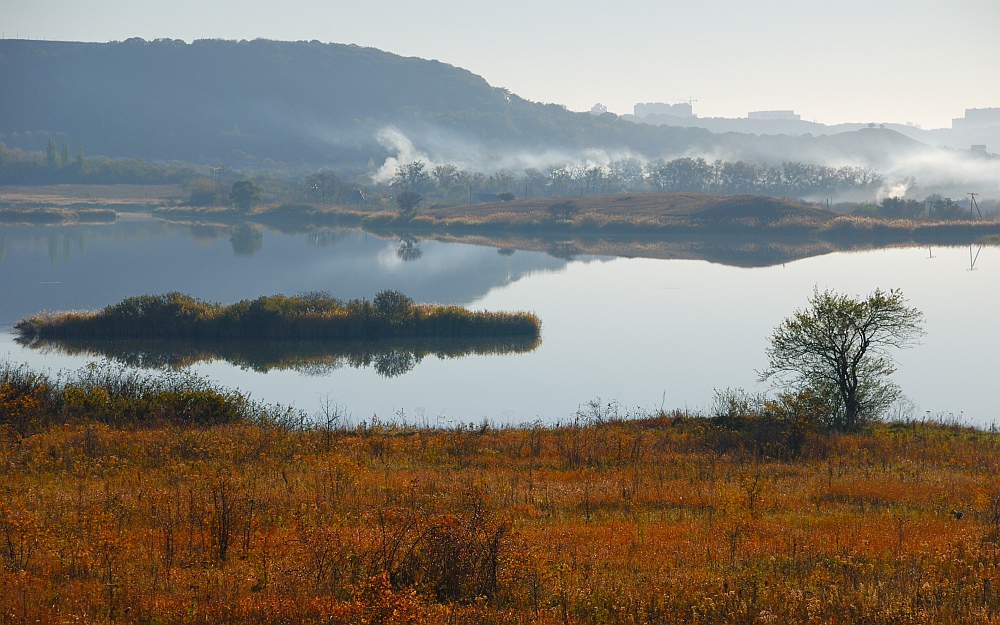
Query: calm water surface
641	333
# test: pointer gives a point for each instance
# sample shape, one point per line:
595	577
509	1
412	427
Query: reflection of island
389	358
736	251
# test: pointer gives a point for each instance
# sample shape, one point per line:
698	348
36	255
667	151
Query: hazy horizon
887	61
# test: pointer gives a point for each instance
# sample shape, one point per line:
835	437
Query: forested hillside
297	102
323	105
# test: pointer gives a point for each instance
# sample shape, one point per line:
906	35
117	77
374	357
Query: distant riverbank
639	215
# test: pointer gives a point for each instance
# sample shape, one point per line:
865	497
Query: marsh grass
614	516
315	316
120	397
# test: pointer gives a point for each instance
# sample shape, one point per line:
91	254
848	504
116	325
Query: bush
121	397
774	428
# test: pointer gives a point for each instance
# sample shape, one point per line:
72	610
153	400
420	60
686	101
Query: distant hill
323	105
954	138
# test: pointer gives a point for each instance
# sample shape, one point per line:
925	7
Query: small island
310	316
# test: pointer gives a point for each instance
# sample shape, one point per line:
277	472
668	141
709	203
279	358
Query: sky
831	61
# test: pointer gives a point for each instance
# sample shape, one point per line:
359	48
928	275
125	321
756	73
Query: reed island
310	316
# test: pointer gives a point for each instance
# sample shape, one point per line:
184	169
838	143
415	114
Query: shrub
776	428
121	397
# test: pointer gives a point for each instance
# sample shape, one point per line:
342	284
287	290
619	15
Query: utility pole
974	203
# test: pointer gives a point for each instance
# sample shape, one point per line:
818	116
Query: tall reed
305	317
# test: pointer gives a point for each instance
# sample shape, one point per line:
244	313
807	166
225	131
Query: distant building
598	109
774	115
979	149
681	109
978	118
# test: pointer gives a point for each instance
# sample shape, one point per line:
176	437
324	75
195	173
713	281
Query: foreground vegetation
608	518
311	316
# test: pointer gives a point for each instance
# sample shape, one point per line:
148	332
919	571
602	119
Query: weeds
611	518
120	397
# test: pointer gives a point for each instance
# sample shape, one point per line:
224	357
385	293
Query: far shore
629	221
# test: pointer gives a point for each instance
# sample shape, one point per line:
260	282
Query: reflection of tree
387	358
201	232
246	239
565	250
408	249
325	236
505	251
394	363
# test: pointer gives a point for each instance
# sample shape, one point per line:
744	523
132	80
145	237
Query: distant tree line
417	184
56	165
447	184
934	207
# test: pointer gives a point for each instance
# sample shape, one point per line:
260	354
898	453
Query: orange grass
601	522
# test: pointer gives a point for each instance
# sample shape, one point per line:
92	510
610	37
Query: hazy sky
920	61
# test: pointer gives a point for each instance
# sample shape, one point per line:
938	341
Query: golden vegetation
663	518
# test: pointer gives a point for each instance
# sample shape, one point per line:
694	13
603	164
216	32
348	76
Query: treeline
56	165
630	175
305	317
934	207
417	184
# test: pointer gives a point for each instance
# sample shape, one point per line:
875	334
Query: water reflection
246	239
409	249
86	267
324	237
205	233
387	358
750	250
974	258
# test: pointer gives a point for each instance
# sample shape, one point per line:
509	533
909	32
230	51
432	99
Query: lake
637	333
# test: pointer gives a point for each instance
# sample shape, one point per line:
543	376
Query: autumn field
201	507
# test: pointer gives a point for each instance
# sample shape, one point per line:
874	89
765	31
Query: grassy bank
45	216
658	518
654	213
306	317
683	216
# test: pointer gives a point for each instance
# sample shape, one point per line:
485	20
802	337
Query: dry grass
602	521
100	194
